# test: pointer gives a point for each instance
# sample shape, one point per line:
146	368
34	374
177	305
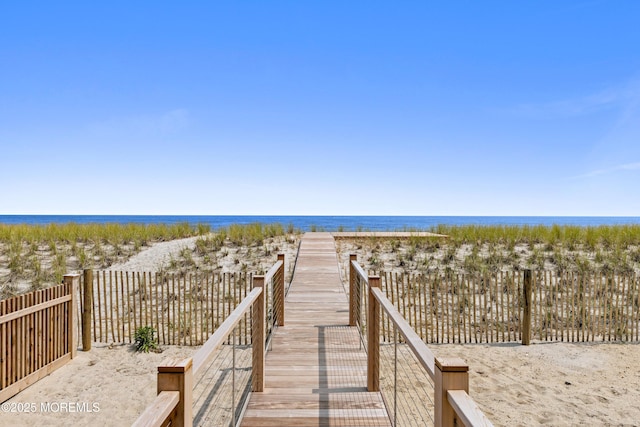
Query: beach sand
114	382
558	384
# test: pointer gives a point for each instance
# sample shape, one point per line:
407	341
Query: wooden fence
442	308
459	308
37	335
183	309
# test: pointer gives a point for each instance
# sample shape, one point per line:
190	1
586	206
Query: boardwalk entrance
316	372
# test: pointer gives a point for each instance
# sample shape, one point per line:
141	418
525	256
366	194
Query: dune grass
41	254
477	249
590	237
112	233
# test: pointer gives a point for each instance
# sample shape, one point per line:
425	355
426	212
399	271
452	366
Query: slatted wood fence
442	308
566	306
37	335
183	309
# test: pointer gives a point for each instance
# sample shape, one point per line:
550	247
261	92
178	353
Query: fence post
258	337
87	309
451	374
177	375
353	293
373	338
279	292
526	318
71	280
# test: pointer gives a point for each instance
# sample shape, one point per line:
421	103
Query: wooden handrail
258	335
178	375
450	376
272	271
159	410
467	410
201	357
373	337
360	271
463	405
279	294
163	407
419	348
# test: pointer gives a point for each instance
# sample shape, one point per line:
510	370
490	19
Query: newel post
279	293
373	337
354	301
258	337
177	375
87	308
71	280
526	318
451	374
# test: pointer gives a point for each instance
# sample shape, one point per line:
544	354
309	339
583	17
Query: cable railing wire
221	392
407	390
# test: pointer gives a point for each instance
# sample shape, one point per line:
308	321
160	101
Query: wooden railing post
526	318
450	374
71	280
258	337
177	375
373	338
87	308
279	292
354	301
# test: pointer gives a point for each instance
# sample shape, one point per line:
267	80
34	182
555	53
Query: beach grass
39	255
567	235
486	248
113	233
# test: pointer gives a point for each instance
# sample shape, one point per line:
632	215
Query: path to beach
153	258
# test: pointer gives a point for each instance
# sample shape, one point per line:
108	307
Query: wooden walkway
316	373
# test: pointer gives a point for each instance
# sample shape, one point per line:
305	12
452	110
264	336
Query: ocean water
328	223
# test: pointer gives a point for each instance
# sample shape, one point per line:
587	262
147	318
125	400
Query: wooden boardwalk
316	373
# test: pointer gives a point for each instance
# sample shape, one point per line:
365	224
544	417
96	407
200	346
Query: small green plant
145	339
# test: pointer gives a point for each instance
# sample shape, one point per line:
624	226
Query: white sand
156	256
117	380
558	384
513	384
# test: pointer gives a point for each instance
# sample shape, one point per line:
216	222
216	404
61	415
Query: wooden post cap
175	365
258	281
452	364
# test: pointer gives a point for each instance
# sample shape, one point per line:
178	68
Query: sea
326	223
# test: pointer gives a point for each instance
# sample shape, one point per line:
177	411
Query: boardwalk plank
316	371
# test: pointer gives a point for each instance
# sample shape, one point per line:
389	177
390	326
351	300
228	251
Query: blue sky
320	108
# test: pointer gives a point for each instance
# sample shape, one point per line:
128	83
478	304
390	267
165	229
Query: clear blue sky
320	107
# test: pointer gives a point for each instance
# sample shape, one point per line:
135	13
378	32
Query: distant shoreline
326	223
